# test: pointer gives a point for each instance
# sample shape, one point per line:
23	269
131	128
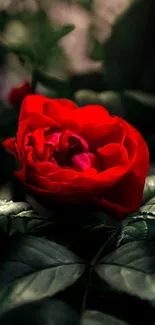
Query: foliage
80	266
114	259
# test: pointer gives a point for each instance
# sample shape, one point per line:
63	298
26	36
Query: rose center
63	146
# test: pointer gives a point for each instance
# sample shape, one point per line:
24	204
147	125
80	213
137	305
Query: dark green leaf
87	4
151	171
141	224
4	17
109	99
148	209
130	269
43	312
10	208
131	42
16	217
44	40
97	51
135	228
58	34
141	97
47	81
36	268
25	52
96	318
45	37
149	188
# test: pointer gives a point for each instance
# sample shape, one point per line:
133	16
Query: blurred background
90	51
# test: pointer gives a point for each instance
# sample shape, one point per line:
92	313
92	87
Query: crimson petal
111	155
84	161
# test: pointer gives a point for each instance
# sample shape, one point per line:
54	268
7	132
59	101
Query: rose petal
32	109
69	140
47	153
58	104
9	144
111	155
37	139
142	153
91	114
111	176
99	134
20	137
51	145
84	161
73	196
40	181
66	103
53	139
43	182
130	146
47	167
65	175
37	121
125	196
32	103
60	113
142	160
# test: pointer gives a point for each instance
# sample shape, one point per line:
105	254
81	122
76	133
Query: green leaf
149	188
87	4
145	99
137	227
109	99
46	38
61	32
96	318
25	52
43	312
130	44
43	40
148	209
48	81
141	224
39	269
130	269
17	218
97	50
4	17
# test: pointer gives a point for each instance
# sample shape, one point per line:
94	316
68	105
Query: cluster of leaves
40	49
80	267
76	266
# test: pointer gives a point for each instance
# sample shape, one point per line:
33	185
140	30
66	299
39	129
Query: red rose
79	154
17	94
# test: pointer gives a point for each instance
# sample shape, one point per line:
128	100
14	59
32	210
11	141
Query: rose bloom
79	155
